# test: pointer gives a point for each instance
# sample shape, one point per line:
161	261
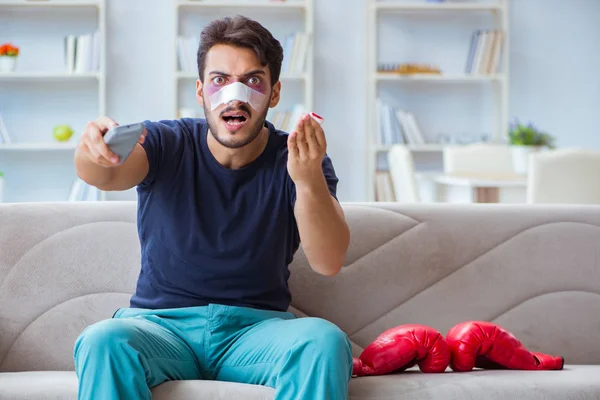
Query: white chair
402	172
487	161
478	158
568	176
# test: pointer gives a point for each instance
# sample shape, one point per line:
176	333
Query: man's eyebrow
254	72
218	73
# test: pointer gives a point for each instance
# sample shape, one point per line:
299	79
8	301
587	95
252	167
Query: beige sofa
535	271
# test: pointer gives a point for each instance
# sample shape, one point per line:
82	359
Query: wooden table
485	187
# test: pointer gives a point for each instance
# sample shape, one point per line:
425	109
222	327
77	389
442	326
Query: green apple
62	133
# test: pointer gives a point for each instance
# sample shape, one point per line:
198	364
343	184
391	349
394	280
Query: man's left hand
306	149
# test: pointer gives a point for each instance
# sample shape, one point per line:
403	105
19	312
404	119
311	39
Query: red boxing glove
403	347
477	344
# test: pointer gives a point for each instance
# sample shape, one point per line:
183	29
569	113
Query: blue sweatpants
123	357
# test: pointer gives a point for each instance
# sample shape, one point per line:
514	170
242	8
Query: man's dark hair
242	32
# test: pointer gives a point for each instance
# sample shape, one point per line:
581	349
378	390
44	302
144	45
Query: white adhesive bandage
237	91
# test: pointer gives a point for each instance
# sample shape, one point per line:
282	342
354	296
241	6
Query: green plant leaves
528	135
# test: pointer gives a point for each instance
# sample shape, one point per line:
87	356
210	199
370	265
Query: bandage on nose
237	91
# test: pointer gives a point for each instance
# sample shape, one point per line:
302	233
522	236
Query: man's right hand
92	144
98	166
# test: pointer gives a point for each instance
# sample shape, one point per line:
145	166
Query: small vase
520	156
8	63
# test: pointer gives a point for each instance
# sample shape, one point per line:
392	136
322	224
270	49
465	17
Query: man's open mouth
235	119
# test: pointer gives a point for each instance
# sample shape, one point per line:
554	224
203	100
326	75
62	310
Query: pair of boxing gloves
468	345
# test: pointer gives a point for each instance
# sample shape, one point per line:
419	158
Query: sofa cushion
44	385
574	382
210	390
62	385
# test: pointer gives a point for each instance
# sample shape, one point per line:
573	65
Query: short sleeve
164	146
330	177
153	147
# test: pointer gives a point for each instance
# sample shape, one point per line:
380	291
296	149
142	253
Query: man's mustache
242	107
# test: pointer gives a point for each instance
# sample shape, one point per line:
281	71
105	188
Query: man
223	205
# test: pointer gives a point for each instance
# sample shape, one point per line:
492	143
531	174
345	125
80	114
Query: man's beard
255	129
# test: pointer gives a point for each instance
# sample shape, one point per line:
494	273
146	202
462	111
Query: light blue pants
123	357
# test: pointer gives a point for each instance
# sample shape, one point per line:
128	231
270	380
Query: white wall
340	74
139	65
555	53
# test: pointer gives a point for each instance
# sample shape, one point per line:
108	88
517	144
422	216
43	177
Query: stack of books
295	53
485	52
384	188
187	49
397	126
82	53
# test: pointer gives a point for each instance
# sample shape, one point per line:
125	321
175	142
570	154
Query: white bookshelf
404	6
430	15
70	147
432	147
438	78
51	3
49	76
281	18
40	95
268	4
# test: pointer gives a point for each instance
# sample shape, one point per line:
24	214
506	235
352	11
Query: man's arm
96	165
323	230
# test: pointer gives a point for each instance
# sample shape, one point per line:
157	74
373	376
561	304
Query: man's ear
199	88
275	95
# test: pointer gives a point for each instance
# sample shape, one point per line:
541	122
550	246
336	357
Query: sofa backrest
533	270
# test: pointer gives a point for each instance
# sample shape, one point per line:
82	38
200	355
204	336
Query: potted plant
526	139
8	57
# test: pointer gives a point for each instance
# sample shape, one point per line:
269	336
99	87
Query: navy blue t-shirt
210	234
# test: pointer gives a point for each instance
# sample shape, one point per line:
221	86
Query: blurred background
424	101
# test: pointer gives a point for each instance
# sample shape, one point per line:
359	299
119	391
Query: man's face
235	124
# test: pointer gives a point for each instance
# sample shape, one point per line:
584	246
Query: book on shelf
384	187
82	52
485	52
295	53
81	191
286	120
4	138
187	49
397	126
